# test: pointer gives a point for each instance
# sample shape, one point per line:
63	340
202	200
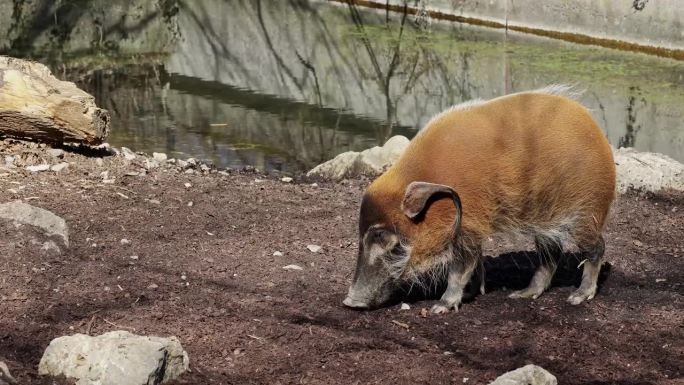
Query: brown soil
245	320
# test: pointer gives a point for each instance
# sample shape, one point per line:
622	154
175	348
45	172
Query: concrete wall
41	27
660	23
251	44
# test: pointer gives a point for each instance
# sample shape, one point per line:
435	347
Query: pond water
285	85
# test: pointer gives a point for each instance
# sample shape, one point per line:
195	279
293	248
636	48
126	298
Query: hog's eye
398	249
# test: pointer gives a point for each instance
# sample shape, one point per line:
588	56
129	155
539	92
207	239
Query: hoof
579	296
440	309
525	293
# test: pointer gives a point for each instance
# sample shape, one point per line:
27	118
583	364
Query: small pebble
293	267
127	153
59	166
188	185
134	257
313	248
124	241
38	168
405	306
277	254
152	286
56	152
286	179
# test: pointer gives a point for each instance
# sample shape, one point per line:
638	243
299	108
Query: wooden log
34	105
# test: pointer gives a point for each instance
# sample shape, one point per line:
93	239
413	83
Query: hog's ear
419	193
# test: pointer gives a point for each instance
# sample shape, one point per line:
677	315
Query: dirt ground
245	320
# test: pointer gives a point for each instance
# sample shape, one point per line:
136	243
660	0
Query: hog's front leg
459	276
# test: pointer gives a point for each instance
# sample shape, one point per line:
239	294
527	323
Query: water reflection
288	84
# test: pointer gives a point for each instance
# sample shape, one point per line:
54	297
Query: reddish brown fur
525	161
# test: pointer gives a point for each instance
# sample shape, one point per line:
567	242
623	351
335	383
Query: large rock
527	375
369	162
26	214
115	358
647	171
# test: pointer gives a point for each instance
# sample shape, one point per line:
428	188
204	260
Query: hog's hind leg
549	251
593	258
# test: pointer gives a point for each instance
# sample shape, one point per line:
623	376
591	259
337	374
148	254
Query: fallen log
34	105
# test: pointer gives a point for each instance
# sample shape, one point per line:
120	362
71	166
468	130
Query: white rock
152	286
527	375
56	152
105	177
277	254
51	246
47	221
188	185
286	179
181	163
124	241
134	257
127	153
342	166
313	248
5	376
293	267
372	162
9	160
405	306
151	163
38	168
117	357
59	166
647	171
159	157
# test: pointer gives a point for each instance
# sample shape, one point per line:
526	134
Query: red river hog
531	164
